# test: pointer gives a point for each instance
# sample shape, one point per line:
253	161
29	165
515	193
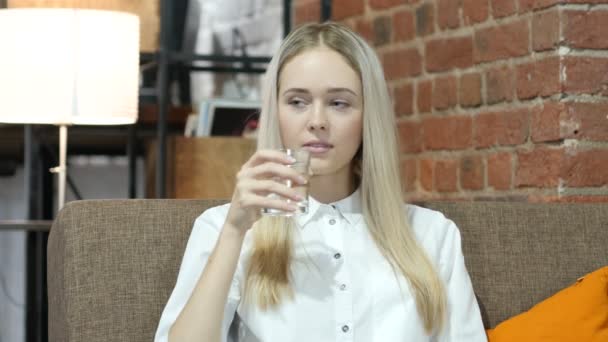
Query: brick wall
496	99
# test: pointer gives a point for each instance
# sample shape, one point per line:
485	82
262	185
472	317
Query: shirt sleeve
463	320
203	238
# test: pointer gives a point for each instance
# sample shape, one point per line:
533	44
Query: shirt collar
348	207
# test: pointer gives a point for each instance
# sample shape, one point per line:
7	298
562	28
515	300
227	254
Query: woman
360	265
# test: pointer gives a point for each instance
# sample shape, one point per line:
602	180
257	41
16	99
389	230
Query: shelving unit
167	58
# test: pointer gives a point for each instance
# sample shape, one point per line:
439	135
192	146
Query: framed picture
226	117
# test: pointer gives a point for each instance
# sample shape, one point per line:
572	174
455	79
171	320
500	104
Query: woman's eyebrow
340	90
296	90
330	90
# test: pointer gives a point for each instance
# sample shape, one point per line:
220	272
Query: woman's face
321	108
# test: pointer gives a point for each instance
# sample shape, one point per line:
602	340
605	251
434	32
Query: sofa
112	264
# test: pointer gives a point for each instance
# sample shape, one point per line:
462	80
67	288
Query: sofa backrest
520	253
113	263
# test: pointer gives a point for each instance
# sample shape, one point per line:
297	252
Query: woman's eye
340	104
296	102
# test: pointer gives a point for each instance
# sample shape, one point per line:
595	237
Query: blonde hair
377	168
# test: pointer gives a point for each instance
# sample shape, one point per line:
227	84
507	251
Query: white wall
261	24
12	261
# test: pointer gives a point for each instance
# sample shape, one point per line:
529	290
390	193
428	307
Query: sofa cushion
577	313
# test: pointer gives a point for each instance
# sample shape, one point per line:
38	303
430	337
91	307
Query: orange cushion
576	313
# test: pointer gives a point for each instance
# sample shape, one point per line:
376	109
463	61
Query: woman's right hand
255	181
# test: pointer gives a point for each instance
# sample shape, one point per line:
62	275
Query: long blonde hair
377	168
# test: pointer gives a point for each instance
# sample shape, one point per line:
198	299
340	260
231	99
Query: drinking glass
301	165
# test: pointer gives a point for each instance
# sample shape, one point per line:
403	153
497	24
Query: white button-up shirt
344	289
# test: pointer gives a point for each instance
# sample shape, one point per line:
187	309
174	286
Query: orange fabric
577	313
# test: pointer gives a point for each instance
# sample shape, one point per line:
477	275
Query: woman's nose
318	120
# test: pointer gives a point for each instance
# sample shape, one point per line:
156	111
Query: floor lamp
68	67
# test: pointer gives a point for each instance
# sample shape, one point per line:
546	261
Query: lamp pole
61	169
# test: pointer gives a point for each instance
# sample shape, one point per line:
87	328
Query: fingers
266	187
272	170
264	156
262	182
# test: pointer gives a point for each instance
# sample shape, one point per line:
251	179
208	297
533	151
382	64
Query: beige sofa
113	263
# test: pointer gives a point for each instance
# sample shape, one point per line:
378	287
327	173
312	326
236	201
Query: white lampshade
68	66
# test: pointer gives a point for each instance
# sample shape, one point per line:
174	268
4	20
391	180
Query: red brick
447	133
382	4
403	26
425	19
586	75
402	63
573	120
309	11
538	78
586	29
342	9
470	90
382	26
499	171
501	198
446	54
404	100
426	172
568	199
546	122
586	168
545	30
586	121
409	175
500	85
410	136
539	168
444	93
526	6
501	128
586	199
474	11
424	97
447	13
504	41
503	8
471	173
364	28
581	1
446	175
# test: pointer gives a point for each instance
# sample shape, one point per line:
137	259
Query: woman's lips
317	148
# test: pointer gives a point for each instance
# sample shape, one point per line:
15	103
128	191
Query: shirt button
345	328
333	206
343	287
332	222
337	256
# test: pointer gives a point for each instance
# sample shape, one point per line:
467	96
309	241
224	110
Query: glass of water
301	165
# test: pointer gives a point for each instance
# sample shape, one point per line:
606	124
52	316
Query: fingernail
291	159
302	180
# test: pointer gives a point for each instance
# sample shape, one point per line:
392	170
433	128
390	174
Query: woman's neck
333	187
